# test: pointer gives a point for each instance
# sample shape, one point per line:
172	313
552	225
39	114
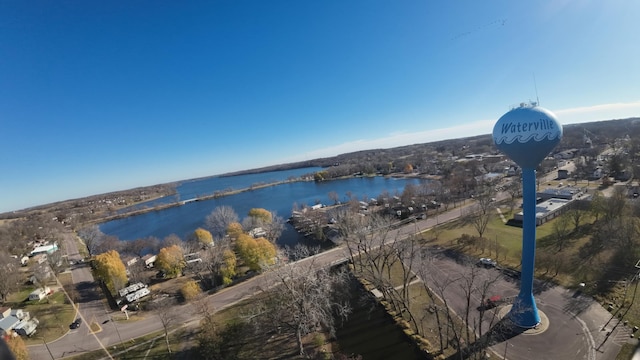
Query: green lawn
54	314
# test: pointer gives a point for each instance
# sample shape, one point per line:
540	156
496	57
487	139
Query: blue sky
105	96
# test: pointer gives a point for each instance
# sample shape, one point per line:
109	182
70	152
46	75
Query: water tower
527	134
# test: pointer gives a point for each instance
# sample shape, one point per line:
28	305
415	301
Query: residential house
17	320
39	294
129	260
45	249
149	260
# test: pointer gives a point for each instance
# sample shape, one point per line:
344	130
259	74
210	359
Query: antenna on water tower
535	86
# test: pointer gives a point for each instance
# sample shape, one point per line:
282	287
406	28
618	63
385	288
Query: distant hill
575	135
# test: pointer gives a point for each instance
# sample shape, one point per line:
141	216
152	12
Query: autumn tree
262	215
190	290
257	217
203	236
171	260
234	230
228	267
18	347
255	253
109	269
408	169
219	220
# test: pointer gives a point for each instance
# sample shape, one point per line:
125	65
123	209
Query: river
183	220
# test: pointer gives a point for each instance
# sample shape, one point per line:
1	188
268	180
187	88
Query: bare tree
166	315
576	216
306	298
561	231
514	189
107	243
463	325
275	228
219	219
479	213
92	237
335	197
170	240
55	261
10	275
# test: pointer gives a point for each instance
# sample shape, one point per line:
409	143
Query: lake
183	220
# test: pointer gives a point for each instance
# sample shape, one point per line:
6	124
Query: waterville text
542	124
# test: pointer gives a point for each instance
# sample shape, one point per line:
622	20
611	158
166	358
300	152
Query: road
575	321
93	308
553	302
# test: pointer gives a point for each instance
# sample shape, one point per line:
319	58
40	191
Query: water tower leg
524	312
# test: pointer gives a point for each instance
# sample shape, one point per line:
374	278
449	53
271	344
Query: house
39	294
45	249
257	232
149	260
17	320
26	328
563	174
129	260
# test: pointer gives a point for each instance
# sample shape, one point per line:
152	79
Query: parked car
487	262
76	324
492	302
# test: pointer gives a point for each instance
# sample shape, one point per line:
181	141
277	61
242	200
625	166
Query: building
45	249
39	294
546	210
563	174
257	232
129	260
149	260
18	321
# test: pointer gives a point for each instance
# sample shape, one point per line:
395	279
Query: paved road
575	322
553	302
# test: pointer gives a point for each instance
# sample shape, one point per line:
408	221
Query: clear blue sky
103	96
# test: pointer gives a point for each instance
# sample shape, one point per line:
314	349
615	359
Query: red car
492	302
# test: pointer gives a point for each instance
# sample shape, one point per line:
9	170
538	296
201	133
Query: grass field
603	273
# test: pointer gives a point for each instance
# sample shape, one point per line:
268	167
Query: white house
45	249
39	294
18	321
149	260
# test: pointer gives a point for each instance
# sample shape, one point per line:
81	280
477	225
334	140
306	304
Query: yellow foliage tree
190	290
262	215
267	251
228	268
234	230
203	236
171	260
110	269
255	252
408	169
18	347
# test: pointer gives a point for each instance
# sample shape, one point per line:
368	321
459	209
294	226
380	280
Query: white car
487	262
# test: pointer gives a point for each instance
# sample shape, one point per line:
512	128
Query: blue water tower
527	134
